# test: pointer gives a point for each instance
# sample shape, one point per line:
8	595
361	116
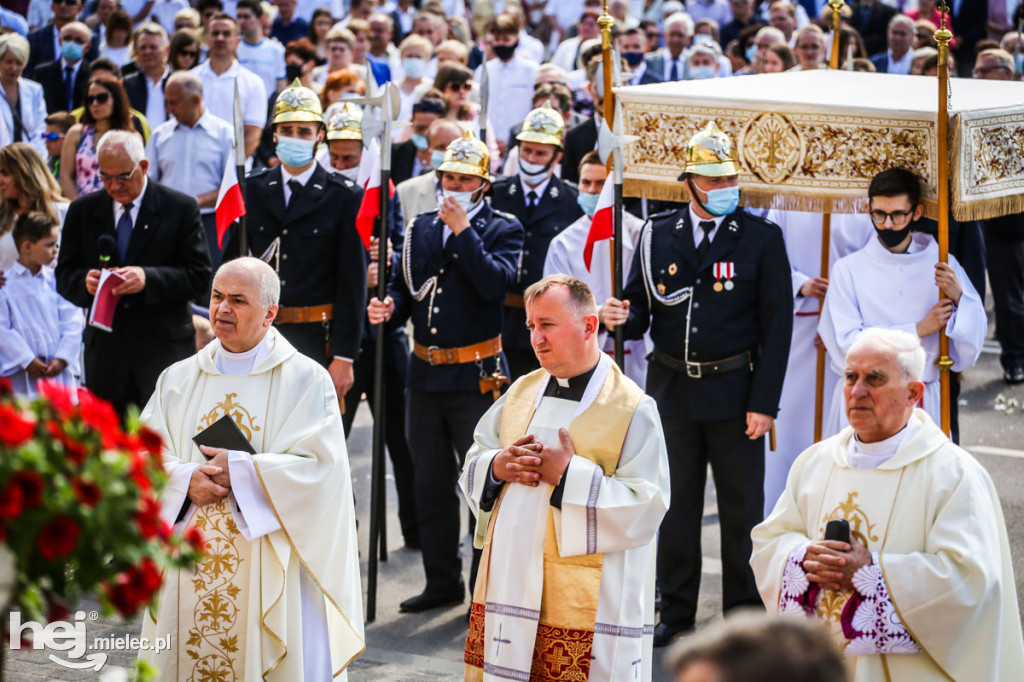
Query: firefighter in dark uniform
301	220
545	205
457	265
713	284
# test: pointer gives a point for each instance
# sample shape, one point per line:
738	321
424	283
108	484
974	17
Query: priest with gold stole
922	587
568	476
278	597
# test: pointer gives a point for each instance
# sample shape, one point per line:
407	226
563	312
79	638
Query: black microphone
106	246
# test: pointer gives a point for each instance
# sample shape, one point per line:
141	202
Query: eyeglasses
123	177
101	98
457	87
897	217
51	137
189	53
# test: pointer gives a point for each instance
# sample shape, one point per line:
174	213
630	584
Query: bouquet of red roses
79	504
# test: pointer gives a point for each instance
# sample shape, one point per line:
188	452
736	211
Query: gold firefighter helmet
711	153
298	103
344	122
467	155
543	125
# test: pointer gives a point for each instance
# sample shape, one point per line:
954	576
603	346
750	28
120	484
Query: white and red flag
603	224
370	208
230	206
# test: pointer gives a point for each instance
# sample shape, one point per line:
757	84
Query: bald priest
277	598
568	476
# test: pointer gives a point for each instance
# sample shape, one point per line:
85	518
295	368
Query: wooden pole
945	363
606	22
826	239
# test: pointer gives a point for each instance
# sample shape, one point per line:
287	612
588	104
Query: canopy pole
945	363
606	22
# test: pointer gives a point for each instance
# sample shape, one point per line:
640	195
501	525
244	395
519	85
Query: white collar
302	177
862	455
20	271
238	364
538	190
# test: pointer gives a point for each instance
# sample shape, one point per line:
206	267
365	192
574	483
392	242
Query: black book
223	433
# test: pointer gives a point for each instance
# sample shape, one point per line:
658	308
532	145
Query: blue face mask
701	38
72	51
633	58
414	66
588	202
295	152
436	157
420	141
1020	63
751	52
701	72
722	201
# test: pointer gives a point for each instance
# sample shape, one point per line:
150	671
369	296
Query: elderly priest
278	597
923	589
569	477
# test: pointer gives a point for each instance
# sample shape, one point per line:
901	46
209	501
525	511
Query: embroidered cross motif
558	659
292	98
636	668
499	641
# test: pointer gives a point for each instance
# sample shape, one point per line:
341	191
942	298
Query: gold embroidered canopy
812	140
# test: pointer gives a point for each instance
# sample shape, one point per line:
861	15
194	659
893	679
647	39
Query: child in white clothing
40	331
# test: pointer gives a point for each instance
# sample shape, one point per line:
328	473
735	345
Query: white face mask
465	199
350	173
533	173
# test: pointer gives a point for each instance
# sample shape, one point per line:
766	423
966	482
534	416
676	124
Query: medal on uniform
661	289
724	271
673	269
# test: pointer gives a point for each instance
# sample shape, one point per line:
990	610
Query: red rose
100	415
151	442
12	503
194	537
118	594
15	430
145	578
148	518
74	450
139	472
87	492
58	538
60	397
31	485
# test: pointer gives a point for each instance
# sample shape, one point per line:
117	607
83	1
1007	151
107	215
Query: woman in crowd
415	52
778	58
22	107
25	185
454	81
339	55
810	48
117	45
341	85
106	108
319	26
184	51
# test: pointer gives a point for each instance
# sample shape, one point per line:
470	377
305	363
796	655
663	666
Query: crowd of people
117	130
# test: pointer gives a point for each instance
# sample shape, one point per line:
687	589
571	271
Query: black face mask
893	238
633	58
505	52
292	71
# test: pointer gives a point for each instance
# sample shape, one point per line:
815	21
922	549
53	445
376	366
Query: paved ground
428	647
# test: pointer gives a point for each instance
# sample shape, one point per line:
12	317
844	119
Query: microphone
106	246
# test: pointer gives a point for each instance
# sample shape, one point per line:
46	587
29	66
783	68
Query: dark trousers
520	362
440	429
396	364
309	338
737	464
210	227
1005	260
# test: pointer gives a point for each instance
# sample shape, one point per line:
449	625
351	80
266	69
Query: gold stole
213	598
568	611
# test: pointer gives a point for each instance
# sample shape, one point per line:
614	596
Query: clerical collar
872	455
237	364
569	389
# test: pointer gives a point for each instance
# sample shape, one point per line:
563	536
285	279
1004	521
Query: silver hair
270	284
680	18
779	36
189	82
901	19
903	347
16	45
128	142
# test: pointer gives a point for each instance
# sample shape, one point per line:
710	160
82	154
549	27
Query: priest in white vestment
278	598
569	479
924	590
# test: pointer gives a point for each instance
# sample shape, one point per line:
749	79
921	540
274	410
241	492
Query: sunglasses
69	3
456	87
189	53
101	98
51	137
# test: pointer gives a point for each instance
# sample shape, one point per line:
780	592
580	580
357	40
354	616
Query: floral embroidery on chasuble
215	606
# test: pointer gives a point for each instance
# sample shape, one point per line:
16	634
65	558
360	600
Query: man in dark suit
871	18
151	49
631	46
457	264
713	284
66	78
899	55
545	205
44	42
301	219
160	251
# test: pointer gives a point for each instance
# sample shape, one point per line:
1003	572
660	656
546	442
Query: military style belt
457	356
514	301
301	315
699	370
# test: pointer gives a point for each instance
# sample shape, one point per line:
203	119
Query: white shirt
530	48
510	96
265	59
163	12
902	66
40	13
136	203
156	109
698	233
302	177
538	190
219	94
873	455
191	160
566	12
680	61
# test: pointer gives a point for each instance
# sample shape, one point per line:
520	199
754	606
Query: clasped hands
529	461
211	482
831	563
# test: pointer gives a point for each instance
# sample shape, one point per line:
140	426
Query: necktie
69	87
531	200
124	232
674	73
705	244
296	187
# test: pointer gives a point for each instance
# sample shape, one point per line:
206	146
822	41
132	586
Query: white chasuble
567	594
244	612
931	518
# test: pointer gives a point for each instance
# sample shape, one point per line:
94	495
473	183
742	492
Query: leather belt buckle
446	356
693	370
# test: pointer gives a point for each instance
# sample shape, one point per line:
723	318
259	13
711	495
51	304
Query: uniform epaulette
505	214
662	214
339	179
257	172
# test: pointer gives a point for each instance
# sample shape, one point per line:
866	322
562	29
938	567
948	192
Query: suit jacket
656	63
474	270
32	109
755	314
138	92
152	328
417	195
650	76
321	258
881	62
402	161
873	24
40	49
51	76
555	211
578	141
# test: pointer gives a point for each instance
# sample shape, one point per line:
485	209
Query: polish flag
230	206
603	224
370	208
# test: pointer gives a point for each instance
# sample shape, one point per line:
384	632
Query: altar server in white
894	282
278	598
565	256
569	479
924	589
794	427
